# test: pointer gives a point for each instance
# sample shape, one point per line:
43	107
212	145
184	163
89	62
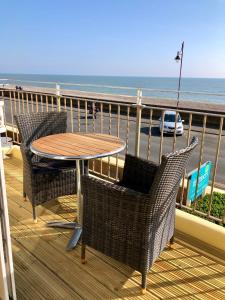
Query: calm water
205	85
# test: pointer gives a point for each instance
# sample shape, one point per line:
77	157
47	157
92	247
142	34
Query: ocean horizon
156	87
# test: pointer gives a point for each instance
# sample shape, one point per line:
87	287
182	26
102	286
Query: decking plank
39	277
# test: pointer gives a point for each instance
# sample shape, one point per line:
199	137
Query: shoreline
160	103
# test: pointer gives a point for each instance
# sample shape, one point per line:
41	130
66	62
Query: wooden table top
72	146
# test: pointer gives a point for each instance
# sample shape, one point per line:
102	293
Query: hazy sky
112	37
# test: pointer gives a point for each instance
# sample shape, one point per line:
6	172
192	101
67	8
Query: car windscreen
171	118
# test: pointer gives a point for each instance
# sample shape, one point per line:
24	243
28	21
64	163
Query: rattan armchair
133	221
44	179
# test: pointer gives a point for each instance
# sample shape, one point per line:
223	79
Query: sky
113	37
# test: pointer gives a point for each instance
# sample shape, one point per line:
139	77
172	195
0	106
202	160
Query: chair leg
171	243
86	171
24	196
143	282
34	214
83	257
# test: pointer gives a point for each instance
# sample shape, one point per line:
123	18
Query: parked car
169	123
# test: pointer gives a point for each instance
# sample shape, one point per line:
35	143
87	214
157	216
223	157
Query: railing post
58	97
223	219
138	122
2	118
2	94
8	288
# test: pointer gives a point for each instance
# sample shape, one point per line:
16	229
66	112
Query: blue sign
203	181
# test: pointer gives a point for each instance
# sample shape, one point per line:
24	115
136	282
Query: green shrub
218	204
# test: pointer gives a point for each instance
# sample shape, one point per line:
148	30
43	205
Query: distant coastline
157	87
95	75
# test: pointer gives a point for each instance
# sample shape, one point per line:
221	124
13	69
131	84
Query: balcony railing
136	120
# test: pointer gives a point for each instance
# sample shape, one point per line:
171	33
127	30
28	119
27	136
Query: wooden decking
44	270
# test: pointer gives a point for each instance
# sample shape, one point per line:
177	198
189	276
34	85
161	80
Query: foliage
218	204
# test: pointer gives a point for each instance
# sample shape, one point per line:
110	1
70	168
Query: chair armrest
99	194
28	156
138	173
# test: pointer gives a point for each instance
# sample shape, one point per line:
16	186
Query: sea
192	89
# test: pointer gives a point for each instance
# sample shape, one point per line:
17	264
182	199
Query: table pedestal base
74	238
68	225
76	226
59	224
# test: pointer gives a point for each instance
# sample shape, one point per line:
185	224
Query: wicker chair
133	221
44	179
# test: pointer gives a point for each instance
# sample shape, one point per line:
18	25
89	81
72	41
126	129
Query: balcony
45	270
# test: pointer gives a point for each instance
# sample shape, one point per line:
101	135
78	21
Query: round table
76	147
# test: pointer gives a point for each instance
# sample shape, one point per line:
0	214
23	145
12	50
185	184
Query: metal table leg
78	228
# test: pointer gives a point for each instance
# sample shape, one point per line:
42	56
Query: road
209	146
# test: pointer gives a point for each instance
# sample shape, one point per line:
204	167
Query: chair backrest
35	125
163	194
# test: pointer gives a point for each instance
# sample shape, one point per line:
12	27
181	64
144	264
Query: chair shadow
58	206
154	287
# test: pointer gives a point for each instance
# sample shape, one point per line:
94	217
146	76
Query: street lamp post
179	58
